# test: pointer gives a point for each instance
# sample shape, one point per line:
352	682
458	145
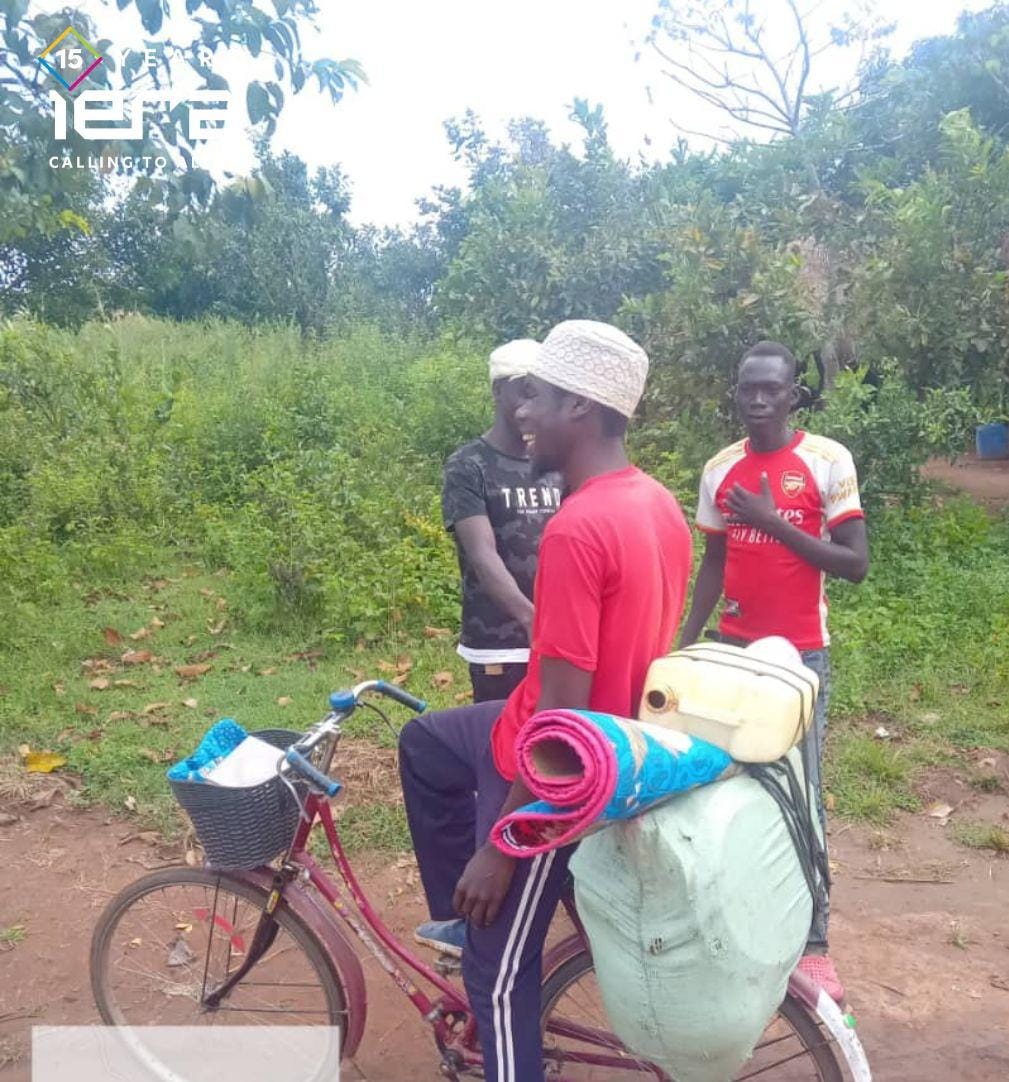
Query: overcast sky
428	60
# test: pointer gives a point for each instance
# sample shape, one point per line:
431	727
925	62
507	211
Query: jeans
819	662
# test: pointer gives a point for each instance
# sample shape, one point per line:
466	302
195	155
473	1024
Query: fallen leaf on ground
222	604
191	672
41	762
99	684
83	708
207	592
154	708
882	733
442	680
464	696
284	700
112	637
97	664
122	715
141	633
404	663
190	639
137	657
386	666
125	684
306	655
204	655
437	632
180	955
191	703
131	805
156	624
157	756
59	689
217	629
271	671
939	811
830	802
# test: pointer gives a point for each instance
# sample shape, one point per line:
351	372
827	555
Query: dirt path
926	963
987	481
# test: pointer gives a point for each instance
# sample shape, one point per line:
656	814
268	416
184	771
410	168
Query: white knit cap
513	359
595	360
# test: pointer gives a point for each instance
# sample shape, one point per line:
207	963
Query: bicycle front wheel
168	941
579	1046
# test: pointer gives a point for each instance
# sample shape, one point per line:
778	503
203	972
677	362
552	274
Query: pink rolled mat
567	765
589	769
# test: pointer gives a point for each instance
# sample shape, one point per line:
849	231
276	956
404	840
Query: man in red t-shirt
781	511
610	587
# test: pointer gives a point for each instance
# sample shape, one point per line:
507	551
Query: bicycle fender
841	1026
321	921
563	952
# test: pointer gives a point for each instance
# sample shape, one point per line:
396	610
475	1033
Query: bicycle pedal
447	965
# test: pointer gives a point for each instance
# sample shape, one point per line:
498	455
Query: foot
447	936
820	970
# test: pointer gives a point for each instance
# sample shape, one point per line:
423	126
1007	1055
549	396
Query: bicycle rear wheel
579	1046
169	940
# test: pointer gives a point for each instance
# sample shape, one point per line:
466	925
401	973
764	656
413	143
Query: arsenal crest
793	483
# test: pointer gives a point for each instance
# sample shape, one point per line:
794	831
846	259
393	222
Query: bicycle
208	946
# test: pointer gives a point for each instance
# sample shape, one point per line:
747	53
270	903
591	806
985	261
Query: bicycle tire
792	1010
330	982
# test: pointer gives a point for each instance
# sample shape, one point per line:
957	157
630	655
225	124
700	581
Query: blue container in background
992	441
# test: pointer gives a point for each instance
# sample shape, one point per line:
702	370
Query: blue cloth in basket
219	742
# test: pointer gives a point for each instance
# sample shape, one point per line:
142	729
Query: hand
483	885
753	508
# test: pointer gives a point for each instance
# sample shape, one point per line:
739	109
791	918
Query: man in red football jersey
781	511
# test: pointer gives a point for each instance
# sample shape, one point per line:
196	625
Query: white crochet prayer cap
513	360
595	360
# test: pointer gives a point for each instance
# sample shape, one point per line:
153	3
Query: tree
35	197
757	70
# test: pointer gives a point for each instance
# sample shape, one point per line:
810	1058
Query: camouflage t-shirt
480	480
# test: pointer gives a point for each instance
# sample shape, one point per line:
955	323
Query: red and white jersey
769	590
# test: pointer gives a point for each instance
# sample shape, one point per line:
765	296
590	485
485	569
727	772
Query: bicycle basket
244	827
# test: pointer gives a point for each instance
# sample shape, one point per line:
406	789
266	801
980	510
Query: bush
892	433
310	470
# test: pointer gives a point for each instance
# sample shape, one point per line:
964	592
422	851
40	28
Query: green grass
120	740
982	836
919	649
11	936
377	826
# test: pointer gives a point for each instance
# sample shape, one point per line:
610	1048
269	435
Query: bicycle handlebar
302	766
342	703
393	691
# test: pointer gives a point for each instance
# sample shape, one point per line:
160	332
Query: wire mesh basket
243	827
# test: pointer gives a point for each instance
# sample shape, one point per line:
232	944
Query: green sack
697	913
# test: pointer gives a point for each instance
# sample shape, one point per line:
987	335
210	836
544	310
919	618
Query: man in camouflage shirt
497	510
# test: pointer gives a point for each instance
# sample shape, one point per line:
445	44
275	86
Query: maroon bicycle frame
449	1013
